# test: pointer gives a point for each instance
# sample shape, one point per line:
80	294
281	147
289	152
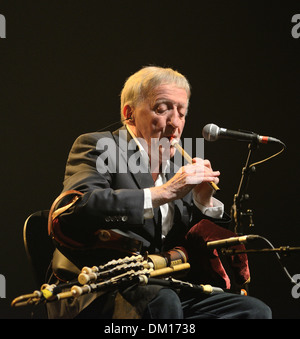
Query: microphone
231	241
212	132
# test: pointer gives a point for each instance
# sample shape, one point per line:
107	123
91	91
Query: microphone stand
282	250
237	213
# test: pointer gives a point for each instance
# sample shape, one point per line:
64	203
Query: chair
38	245
41	251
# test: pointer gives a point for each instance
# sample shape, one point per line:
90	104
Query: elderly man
154	207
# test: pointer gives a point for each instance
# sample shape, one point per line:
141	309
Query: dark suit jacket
116	200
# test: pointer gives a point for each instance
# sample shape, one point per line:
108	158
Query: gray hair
141	84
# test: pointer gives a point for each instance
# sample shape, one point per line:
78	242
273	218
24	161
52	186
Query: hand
203	192
192	176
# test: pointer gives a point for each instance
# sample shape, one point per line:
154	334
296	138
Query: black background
62	67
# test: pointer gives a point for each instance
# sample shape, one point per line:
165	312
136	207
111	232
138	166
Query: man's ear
127	113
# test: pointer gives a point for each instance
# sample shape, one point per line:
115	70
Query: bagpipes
158	269
115	274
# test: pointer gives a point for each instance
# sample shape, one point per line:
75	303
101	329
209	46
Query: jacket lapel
130	156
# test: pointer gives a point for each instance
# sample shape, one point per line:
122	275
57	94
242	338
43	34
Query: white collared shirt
167	210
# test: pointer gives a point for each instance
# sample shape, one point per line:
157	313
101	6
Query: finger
207	163
200	162
216	173
197	160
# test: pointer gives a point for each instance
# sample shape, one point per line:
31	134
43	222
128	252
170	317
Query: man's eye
161	108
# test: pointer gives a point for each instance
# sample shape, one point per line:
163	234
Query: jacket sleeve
102	205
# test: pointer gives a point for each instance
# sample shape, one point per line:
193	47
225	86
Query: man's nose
174	118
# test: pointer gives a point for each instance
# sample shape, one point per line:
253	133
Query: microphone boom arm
239	198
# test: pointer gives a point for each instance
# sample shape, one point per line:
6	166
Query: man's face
162	115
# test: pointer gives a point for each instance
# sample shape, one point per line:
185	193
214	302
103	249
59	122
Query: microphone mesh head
210	132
